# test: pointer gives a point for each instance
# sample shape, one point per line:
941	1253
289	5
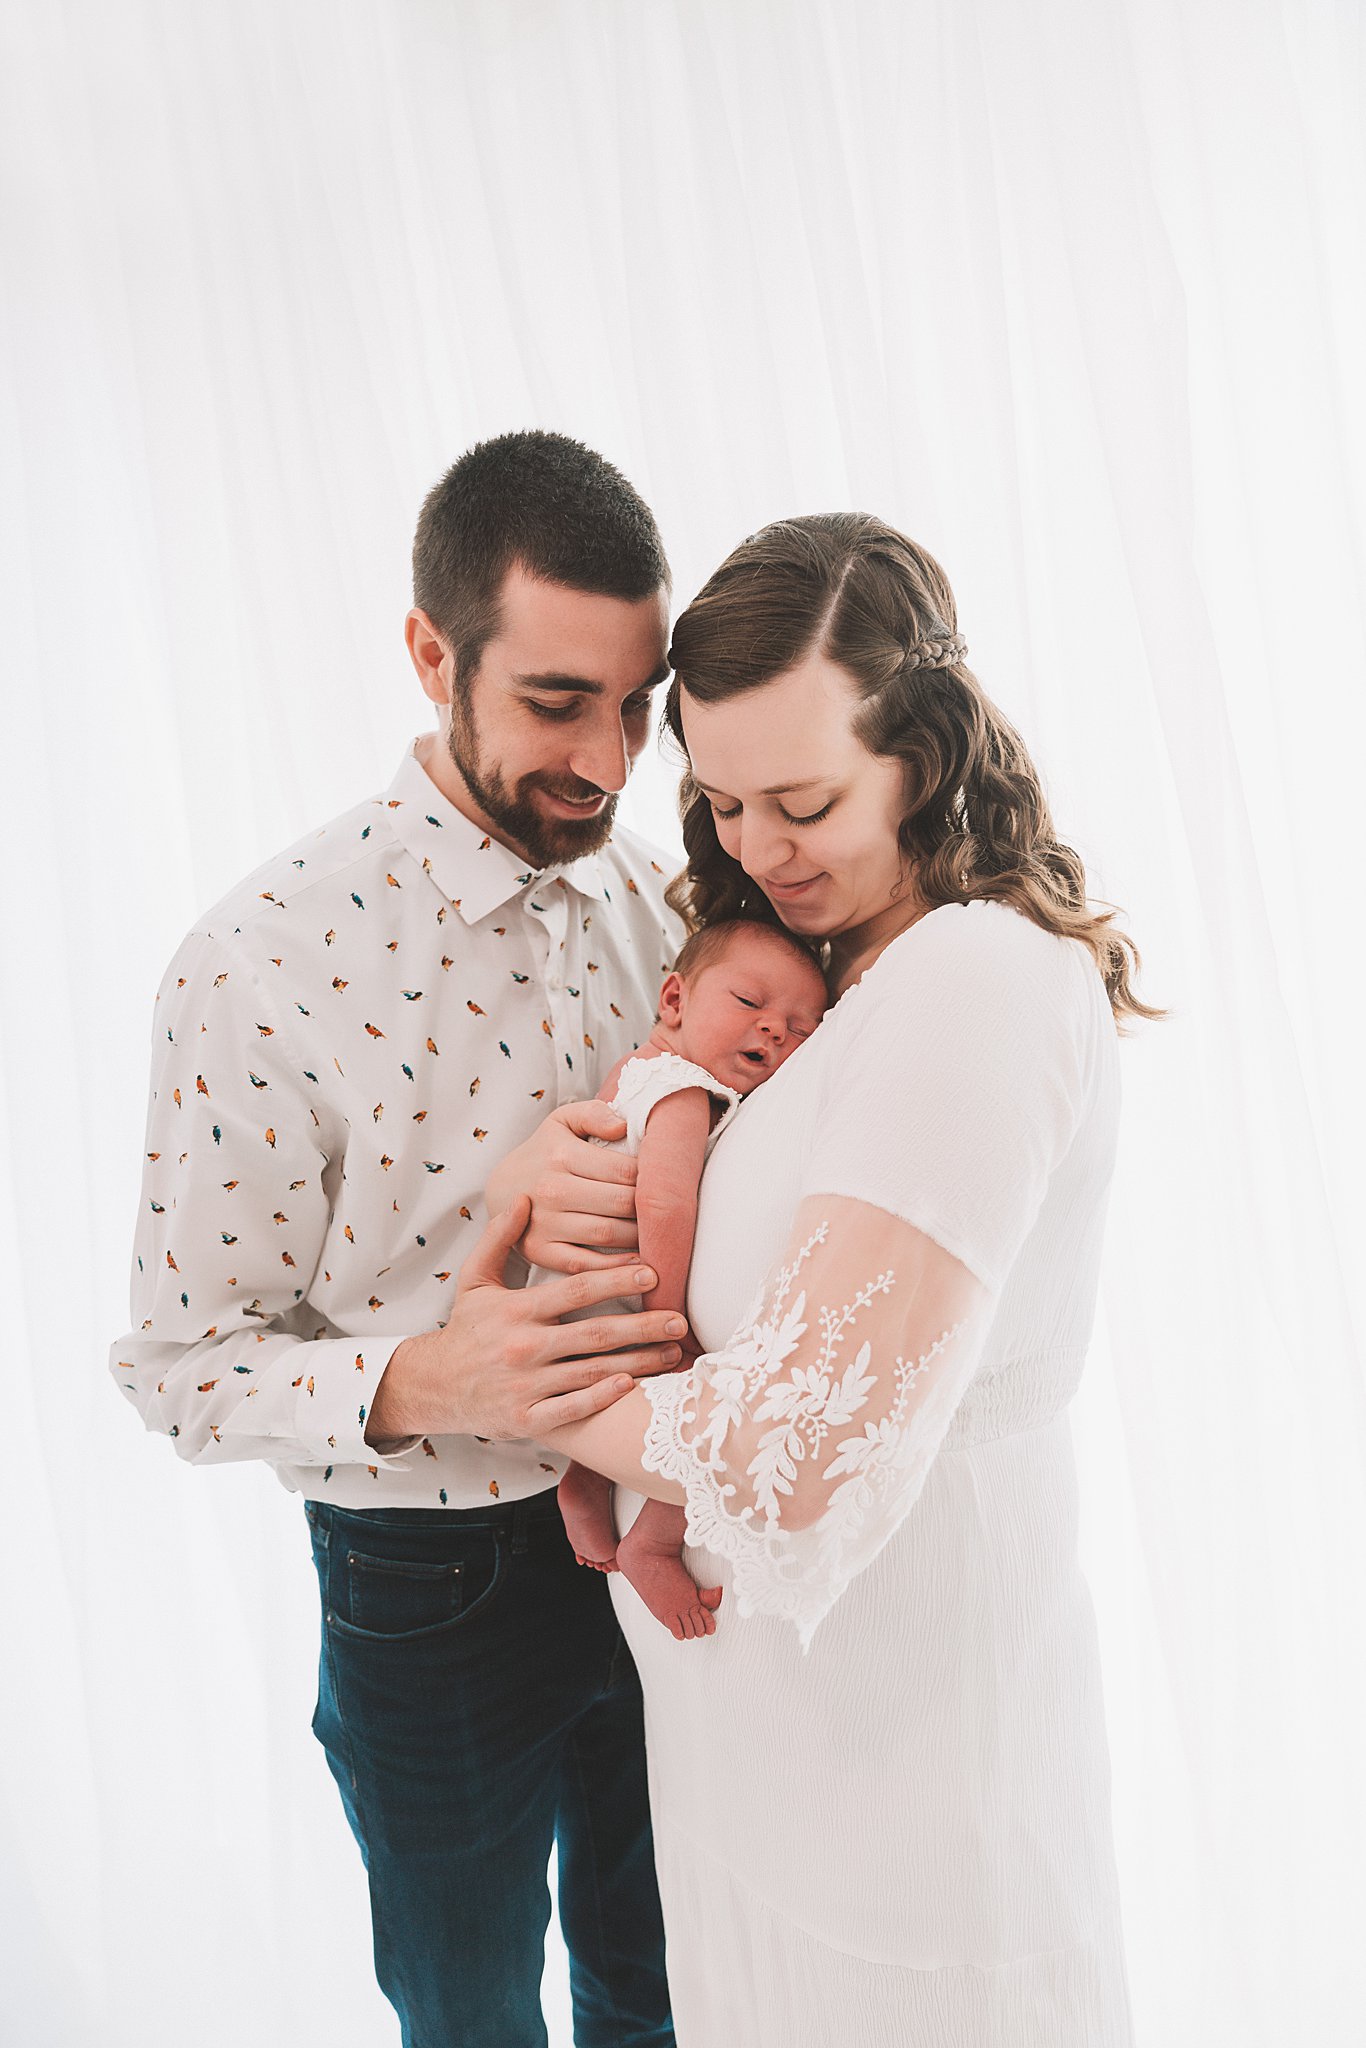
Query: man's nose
602	758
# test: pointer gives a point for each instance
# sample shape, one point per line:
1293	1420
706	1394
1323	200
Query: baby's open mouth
755	1058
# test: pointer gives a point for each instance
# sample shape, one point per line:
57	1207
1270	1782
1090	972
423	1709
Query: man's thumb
485	1265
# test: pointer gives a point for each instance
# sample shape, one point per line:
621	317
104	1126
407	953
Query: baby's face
742	1015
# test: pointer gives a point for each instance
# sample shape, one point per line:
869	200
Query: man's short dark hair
541	500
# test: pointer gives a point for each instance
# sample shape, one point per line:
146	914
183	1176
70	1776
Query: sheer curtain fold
1073	294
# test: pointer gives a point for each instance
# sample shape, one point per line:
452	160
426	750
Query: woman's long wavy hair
977	823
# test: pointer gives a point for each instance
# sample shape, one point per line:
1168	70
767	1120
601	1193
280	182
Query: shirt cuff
331	1397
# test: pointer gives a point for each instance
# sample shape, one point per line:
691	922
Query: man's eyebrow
584	686
774	788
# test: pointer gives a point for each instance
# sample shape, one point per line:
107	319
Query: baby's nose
774	1027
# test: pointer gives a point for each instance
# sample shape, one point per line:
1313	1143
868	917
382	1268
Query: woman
881	1790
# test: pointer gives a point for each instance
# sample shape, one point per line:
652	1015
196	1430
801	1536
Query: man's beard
509	807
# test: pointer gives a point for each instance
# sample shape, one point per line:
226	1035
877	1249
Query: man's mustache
580	793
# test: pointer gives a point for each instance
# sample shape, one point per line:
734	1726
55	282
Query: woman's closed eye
811	818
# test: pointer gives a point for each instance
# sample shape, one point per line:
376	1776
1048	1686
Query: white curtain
1071	291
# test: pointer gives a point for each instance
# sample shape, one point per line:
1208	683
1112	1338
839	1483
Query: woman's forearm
611	1442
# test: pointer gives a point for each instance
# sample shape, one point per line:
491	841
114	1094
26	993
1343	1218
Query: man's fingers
556	1298
646	1361
485	1264
543	1416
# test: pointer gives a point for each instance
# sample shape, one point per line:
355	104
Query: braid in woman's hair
978	823
850	588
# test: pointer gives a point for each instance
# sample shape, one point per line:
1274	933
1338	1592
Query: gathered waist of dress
1014	1397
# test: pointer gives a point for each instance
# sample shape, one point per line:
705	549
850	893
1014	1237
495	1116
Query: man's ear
431	656
672	998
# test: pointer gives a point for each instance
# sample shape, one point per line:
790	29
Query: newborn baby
740	998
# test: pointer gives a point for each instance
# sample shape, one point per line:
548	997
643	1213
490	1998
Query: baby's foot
586	1508
668	1590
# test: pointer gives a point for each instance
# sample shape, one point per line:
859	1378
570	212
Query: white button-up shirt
344	1048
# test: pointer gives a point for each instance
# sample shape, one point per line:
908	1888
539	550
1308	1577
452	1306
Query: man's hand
583	1203
505	1367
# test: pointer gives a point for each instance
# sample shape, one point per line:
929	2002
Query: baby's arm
673	1152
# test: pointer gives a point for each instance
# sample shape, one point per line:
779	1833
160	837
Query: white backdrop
1072	292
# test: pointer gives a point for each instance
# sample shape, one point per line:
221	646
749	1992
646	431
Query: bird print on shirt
336	1017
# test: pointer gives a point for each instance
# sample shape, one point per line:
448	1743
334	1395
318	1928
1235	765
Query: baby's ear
671	1000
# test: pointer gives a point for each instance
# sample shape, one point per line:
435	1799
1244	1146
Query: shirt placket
548	907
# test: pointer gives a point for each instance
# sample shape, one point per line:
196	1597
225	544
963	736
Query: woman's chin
801	915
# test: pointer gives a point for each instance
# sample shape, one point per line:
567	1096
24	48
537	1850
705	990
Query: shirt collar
477	872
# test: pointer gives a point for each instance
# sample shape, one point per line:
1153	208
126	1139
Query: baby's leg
586	1504
648	1556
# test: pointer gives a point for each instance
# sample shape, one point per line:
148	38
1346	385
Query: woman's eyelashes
811	818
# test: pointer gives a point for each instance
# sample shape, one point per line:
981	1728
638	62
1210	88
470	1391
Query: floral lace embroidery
807	1392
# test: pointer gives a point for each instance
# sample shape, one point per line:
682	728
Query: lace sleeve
802	1445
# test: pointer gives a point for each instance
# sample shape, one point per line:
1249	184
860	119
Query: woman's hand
583	1196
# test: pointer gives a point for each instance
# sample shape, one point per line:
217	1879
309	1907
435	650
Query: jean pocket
402	1597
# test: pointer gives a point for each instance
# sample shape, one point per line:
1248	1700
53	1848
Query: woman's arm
799	1446
612	1442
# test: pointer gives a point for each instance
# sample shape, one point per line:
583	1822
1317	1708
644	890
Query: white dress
881	1789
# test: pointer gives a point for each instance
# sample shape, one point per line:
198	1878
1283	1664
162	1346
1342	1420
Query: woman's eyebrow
774	789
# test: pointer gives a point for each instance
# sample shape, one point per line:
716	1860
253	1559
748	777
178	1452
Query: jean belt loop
520	1518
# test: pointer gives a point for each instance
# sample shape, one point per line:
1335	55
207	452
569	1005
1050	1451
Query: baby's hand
692	1351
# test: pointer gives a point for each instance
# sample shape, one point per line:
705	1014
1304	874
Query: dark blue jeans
477	1701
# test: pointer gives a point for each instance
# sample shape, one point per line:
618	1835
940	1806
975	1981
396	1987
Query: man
344	1047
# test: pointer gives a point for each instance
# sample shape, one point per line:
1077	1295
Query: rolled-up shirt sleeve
225	1355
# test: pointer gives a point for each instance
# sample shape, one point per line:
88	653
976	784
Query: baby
741	997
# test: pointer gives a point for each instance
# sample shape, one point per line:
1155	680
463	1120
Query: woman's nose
763	851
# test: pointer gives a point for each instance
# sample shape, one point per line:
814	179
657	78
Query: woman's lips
792	888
